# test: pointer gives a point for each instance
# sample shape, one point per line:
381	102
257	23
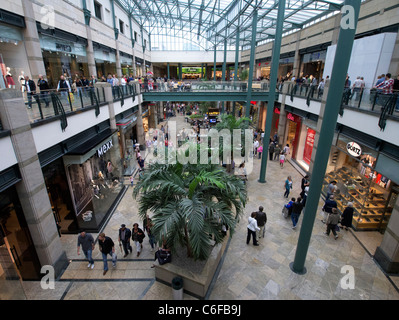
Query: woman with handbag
332	223
138	236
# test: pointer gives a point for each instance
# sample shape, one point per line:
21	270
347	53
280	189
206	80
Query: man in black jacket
107	247
44	90
124	237
30	90
297	207
261	219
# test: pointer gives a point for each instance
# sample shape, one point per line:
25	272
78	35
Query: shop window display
372	194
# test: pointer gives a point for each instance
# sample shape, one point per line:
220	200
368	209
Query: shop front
126	64
352	165
313	64
127	139
306	140
18	257
95	176
293	131
105	59
62	57
13	60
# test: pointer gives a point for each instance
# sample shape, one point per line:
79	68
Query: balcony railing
41	106
203	86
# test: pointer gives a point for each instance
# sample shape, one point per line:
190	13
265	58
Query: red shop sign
290	117
277	110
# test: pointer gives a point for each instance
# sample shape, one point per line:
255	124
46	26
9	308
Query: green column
168	70
251	62
214	64
224	60
236	61
272	89
332	106
180	71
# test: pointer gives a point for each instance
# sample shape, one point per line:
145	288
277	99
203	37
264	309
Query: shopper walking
347	216
151	237
288	186
252	227
107	247
261	220
282	160
124	239
260	150
86	240
271	150
332	222
329	204
296	212
138	236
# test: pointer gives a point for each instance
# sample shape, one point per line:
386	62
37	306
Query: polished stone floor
247	272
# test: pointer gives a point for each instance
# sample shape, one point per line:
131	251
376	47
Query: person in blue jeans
288	186
296	211
87	242
107	247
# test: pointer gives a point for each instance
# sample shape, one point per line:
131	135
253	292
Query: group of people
256	226
107	246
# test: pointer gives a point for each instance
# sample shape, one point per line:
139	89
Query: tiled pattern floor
247	272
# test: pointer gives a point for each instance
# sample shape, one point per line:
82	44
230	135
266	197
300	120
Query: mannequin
21	80
10	80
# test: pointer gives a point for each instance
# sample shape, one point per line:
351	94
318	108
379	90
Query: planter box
197	276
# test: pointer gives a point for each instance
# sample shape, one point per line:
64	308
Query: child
260	150
131	180
282	159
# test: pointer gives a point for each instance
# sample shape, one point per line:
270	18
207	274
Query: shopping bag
285	212
323	215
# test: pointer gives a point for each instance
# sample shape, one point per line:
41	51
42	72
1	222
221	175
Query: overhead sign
354	149
104	148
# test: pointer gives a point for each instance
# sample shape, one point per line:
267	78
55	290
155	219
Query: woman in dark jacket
347	216
137	237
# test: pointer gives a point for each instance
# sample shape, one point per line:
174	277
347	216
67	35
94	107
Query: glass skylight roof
206	23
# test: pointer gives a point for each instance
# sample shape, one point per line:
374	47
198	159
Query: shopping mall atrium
104	102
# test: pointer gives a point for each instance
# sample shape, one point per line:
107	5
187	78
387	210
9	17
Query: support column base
296	271
386	262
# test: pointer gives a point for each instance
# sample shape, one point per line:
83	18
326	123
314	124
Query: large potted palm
191	204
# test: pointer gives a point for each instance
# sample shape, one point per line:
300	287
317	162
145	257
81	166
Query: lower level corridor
247	272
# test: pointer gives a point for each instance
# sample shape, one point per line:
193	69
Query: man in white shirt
357	88
256	145
252	227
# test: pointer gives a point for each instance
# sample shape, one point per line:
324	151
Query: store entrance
18	258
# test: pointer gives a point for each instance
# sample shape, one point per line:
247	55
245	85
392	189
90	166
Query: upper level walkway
192	91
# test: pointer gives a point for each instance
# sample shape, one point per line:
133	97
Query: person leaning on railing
396	91
63	87
386	87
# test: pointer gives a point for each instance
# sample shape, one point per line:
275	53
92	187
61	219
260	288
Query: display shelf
369	201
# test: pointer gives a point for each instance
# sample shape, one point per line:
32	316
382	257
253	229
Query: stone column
118	61
90	53
319	123
32	43
282	122
297	58
32	190
110	100
140	128
387	254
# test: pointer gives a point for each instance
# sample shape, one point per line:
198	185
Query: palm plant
231	123
190	203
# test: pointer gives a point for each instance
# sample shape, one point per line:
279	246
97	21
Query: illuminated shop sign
104	148
354	149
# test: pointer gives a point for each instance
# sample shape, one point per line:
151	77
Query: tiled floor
247	272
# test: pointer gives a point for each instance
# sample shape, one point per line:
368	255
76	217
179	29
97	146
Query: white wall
191	56
371	57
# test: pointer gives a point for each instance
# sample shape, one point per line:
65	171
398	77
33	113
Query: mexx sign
104	148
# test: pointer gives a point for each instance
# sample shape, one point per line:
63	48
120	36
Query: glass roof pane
205	23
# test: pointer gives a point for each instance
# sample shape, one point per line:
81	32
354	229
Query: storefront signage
307	151
277	110
63	47
354	149
104	148
290	117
